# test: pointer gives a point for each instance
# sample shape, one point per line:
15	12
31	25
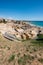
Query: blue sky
22	9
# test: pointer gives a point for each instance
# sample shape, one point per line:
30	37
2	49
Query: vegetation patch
40	60
18	54
11	58
37	42
40	37
23	60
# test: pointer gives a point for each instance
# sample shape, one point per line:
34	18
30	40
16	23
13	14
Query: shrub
18	54
23	60
35	49
4	21
41	60
40	37
11	58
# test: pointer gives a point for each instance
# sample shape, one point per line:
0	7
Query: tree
4	21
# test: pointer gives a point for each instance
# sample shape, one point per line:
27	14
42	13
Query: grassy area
40	36
23	60
11	58
23	51
37	42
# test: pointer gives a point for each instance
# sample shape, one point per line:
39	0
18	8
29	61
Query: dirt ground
20	53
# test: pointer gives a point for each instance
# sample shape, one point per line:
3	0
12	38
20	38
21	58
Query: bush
40	37
11	58
41	60
37	42
23	60
4	21
18	54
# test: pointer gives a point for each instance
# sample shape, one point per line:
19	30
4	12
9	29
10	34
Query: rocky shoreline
20	30
18	44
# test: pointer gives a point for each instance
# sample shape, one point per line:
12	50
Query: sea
37	23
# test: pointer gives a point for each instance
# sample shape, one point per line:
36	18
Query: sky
21	9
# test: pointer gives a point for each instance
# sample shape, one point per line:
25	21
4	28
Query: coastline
34	25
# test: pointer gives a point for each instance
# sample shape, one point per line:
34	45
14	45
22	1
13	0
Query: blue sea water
37	23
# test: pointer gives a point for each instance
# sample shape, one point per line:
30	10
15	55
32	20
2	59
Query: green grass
11	58
40	36
36	42
23	60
